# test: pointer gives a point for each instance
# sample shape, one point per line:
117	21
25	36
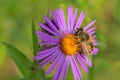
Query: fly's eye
79	31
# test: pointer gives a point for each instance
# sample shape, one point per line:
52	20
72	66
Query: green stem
91	71
34	39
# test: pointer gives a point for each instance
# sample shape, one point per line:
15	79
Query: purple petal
58	69
70	17
58	20
53	64
89	25
47	29
66	67
76	72
48	59
77	68
95	43
91	33
45	37
52	26
47	43
83	65
85	60
94	40
63	21
73	69
46	53
73	19
79	21
91	30
95	51
53	17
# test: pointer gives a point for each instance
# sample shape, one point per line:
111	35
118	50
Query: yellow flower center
69	44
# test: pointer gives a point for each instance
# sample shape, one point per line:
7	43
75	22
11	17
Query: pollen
69	44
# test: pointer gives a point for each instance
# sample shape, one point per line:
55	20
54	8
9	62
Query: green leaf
34	39
22	62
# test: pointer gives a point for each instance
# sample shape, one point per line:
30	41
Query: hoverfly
85	42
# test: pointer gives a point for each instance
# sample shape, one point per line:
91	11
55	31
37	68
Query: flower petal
76	72
58	69
85	60
91	33
52	26
94	40
53	64
64	69
91	30
47	38
47	29
53	19
89	25
79	21
73	20
70	16
48	59
95	43
83	65
47	43
62	18
95	51
45	53
58	21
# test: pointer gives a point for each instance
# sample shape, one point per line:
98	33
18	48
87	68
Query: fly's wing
89	57
101	43
87	50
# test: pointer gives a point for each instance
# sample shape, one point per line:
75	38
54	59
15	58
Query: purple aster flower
64	51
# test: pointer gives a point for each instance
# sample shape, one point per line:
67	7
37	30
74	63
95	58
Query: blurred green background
15	28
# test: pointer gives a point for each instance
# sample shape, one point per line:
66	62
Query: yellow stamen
69	45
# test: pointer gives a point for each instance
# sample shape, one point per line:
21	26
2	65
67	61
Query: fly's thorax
84	36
